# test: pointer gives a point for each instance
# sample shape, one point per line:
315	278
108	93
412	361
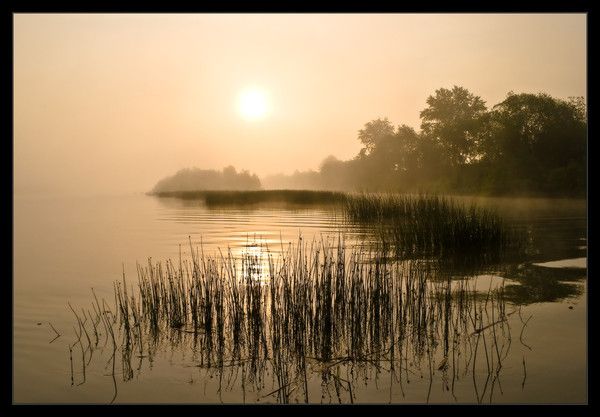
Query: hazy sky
113	103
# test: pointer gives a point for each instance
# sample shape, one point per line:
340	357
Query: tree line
193	179
527	144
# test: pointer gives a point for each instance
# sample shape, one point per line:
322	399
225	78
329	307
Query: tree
454	120
333	173
195	179
373	133
410	158
229	172
580	108
539	139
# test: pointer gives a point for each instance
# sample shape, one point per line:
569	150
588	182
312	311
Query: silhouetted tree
374	132
333	173
539	142
410	155
195	179
454	120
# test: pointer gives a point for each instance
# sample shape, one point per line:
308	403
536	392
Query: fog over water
280	208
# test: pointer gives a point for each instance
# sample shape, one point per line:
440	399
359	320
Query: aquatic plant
414	225
310	309
224	198
431	225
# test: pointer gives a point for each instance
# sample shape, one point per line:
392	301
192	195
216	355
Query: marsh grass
430	225
316	309
412	225
225	198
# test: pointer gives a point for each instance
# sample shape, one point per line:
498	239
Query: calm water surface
64	246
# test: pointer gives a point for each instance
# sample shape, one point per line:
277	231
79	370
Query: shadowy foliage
536	284
454	120
196	179
529	144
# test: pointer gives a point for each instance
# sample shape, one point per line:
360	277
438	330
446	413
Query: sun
253	104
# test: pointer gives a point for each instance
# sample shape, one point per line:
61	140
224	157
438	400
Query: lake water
64	246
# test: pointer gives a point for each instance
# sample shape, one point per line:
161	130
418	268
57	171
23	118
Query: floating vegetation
312	312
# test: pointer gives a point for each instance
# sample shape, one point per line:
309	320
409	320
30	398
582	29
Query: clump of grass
433	225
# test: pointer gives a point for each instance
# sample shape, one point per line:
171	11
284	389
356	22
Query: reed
431	225
312	308
414	225
214	198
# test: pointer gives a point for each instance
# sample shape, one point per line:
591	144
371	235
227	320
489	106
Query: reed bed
214	198
315	308
430	225
414	225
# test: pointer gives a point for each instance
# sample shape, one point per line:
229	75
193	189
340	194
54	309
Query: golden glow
253	104
169	88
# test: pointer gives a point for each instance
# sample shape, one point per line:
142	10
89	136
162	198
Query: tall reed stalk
313	307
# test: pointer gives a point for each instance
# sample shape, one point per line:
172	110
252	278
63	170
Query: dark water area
519	335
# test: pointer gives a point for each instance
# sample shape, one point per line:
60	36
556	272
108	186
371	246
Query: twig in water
57	333
523	328
503	319
278	389
524	374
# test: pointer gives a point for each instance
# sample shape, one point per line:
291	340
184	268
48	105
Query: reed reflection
273	325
